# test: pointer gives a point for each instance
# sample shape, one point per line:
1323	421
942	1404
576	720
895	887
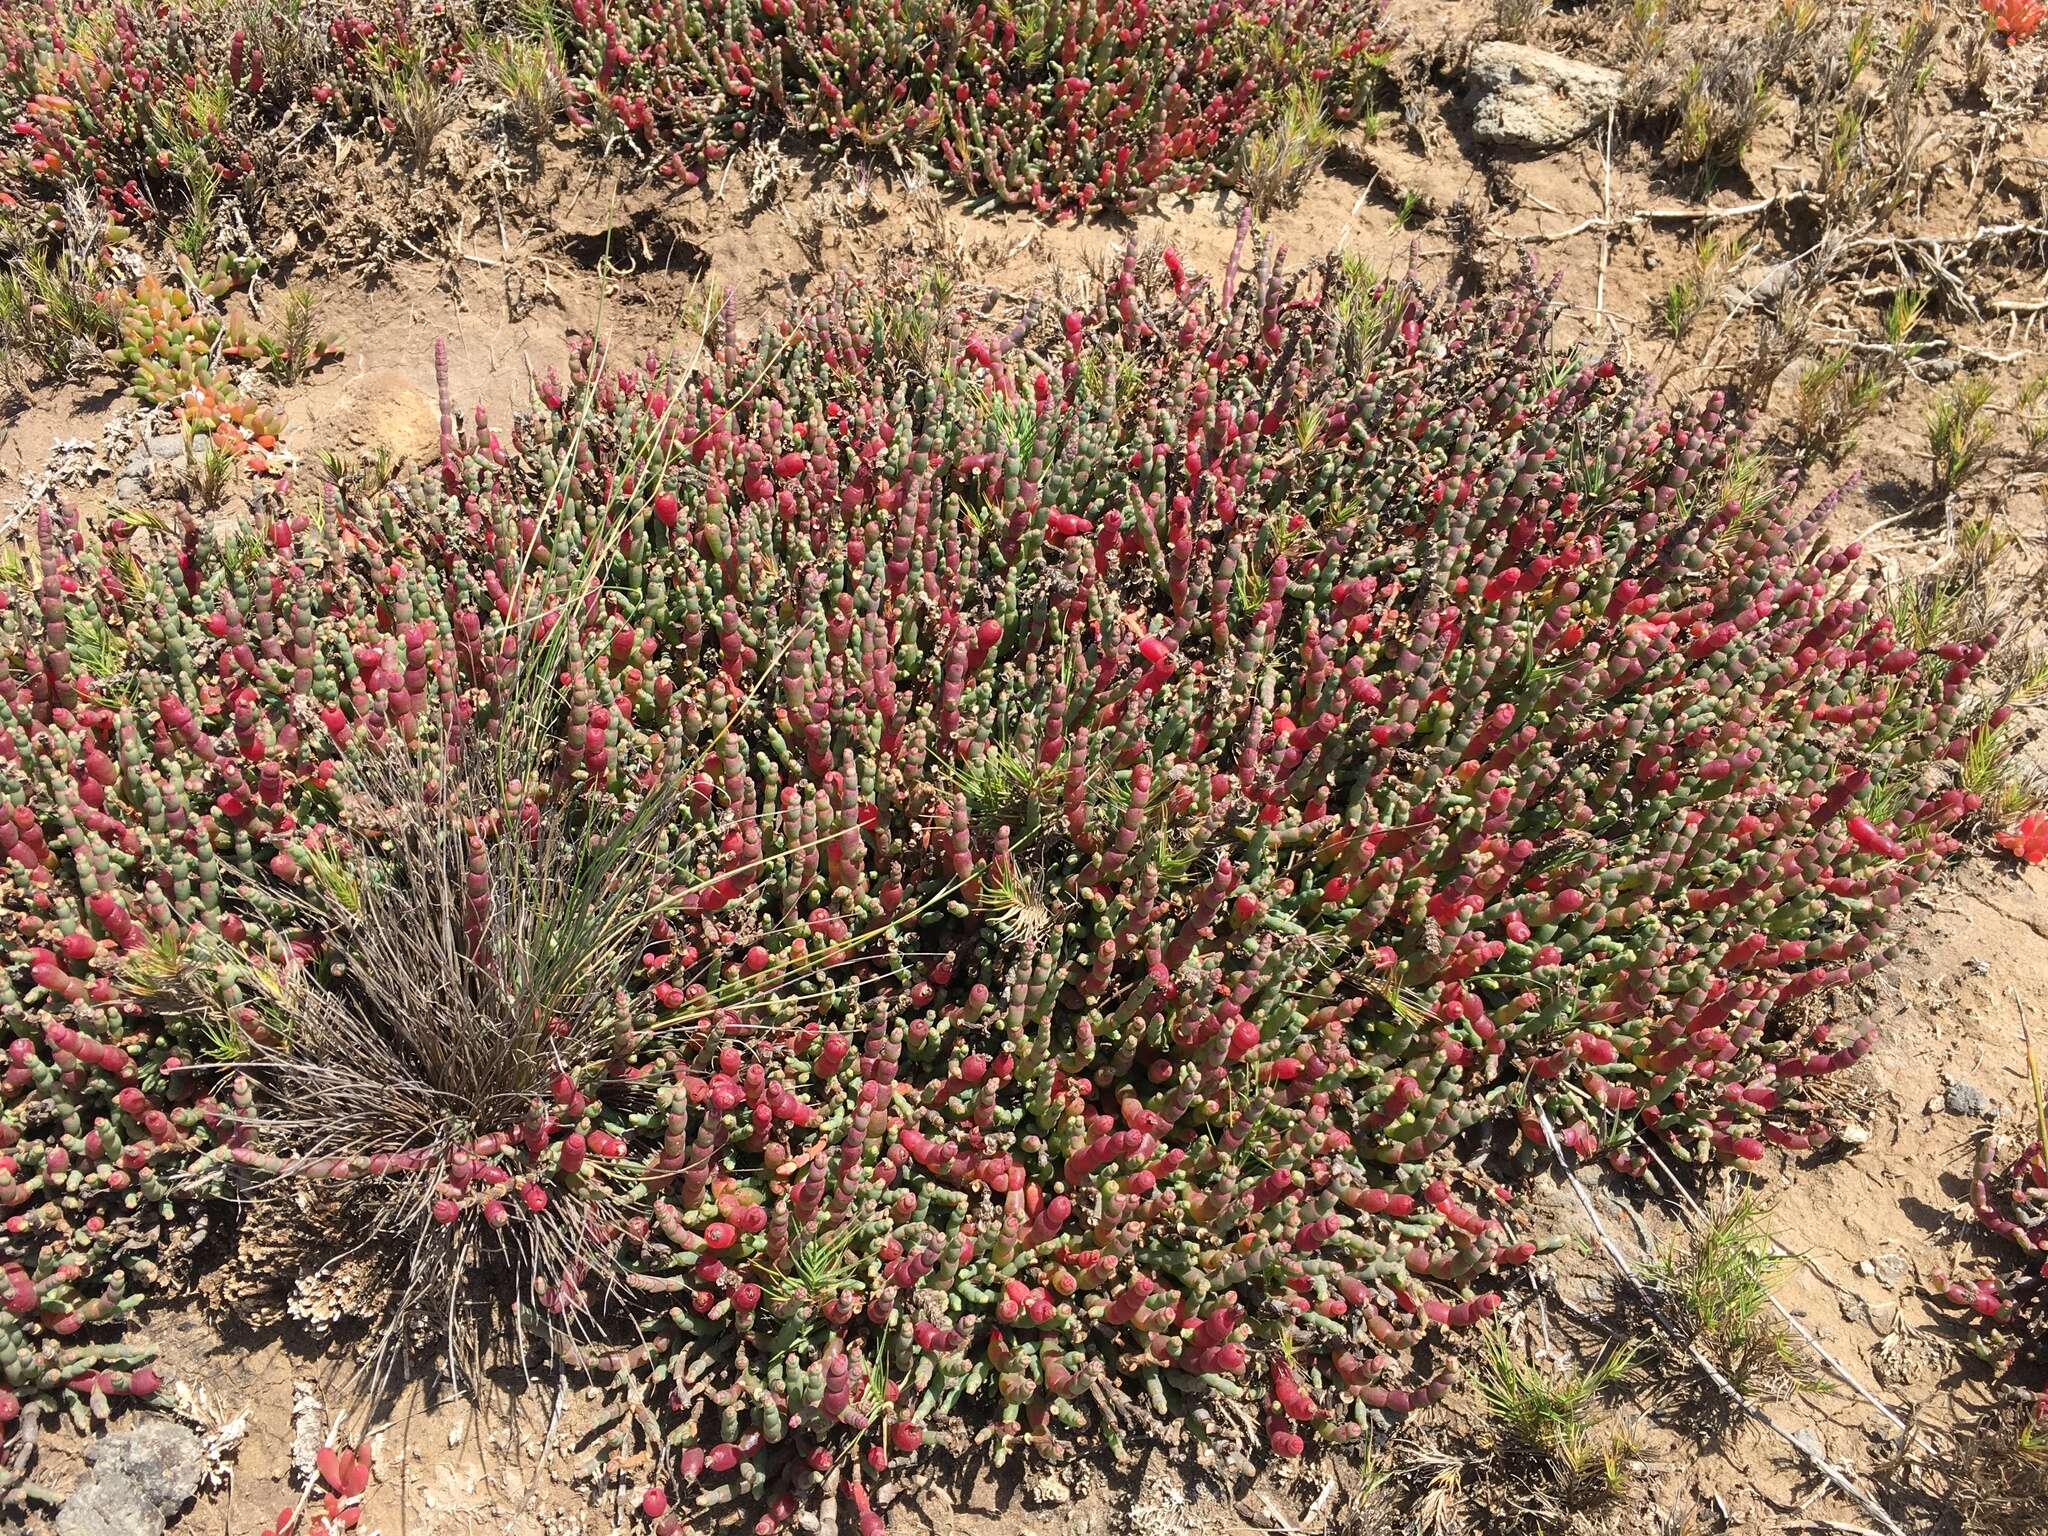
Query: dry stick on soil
1608	219
1614	331
1934	249
2033	1071
1713	1373
1842	1372
1606	215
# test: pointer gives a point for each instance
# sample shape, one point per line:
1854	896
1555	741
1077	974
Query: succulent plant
1100	839
2009	1311
1065	108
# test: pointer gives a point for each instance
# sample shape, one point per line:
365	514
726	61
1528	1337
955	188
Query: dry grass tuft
1278	162
464	973
416	112
1999	1485
1723	101
1716	1288
527	71
1554	1453
1514	20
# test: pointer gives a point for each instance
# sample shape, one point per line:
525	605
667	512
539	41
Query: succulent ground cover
1063	106
904	880
145	142
2009	1195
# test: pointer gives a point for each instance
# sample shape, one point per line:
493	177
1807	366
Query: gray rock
1536	100
111	1506
139	1479
1887	1268
1964	1098
162	1456
167	445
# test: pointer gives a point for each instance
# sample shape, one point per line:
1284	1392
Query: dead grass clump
1514	20
1646	29
416	112
1999	1486
1723	101
477	935
56	315
1278	162
1866	122
478	971
527	72
51	318
1784	302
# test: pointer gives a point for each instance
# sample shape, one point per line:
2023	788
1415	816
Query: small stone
167	445
1888	1268
1536	100
161	1457
111	1506
139	1479
1966	1098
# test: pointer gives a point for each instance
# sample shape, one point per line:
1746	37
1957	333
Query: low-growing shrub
2010	1310
1095	842
1065	107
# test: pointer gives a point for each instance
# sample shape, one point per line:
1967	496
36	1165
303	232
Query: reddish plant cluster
2015	20
2010	1311
1065	108
1104	829
2026	839
115	96
343	1478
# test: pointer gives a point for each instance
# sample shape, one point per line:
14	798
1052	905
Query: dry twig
1833	1474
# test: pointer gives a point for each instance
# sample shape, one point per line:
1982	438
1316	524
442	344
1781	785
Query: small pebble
1966	1098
